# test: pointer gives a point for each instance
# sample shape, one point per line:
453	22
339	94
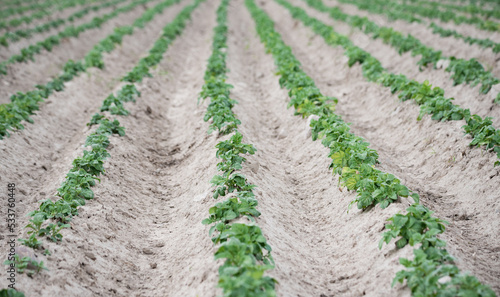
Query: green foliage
244	204
425	275
220	108
76	188
115	104
26	264
10	293
351	158
416	226
397	10
241	275
52	231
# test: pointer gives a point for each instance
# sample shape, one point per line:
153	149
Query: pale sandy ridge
432	158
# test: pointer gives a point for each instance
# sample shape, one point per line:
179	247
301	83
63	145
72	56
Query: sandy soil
24	76
142	235
14	48
432	158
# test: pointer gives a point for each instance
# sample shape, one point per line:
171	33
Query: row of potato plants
355	163
246	253
6	12
394	14
473	9
23	105
431	100
17	35
463	71
14	3
443	16
53	216
60	5
28	53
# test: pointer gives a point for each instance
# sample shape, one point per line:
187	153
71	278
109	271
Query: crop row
473	9
53	24
14	3
462	71
23	105
431	100
13	10
444	16
245	250
355	163
52	216
60	5
28	53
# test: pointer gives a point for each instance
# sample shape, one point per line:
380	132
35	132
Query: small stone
90	255
152	265
147	251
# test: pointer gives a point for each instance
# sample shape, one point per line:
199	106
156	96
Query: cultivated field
250	147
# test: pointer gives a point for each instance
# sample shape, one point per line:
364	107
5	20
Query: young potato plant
10	293
354	162
245	250
26	265
431	99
